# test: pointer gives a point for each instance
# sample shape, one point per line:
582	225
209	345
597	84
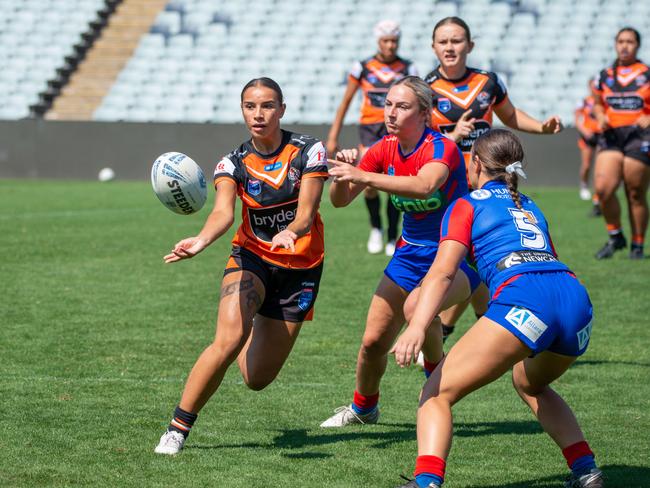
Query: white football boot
375	241
346	416
389	249
170	443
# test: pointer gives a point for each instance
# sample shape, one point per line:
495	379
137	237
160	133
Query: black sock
393	220
373	210
182	421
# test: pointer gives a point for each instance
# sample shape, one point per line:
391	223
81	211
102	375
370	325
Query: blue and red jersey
503	240
422	217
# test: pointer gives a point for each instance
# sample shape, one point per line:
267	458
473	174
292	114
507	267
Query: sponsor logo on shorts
583	336
481	194
306	296
526	322
254	187
444	105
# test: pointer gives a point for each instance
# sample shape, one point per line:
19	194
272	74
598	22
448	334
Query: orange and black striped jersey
626	96
585	115
375	78
268	185
477	90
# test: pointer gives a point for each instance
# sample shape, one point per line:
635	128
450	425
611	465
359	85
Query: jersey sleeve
315	161
500	91
355	71
446	151
227	169
373	160
597	84
457	223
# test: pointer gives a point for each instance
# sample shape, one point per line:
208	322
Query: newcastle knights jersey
422	217
503	240
268	185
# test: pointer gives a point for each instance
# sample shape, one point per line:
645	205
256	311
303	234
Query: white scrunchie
516	167
387	28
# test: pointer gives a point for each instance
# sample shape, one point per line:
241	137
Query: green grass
97	336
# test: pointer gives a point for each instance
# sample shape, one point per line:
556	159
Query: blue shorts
546	311
410	264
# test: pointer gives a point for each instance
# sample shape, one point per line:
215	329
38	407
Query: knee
522	384
257	382
636	195
374	346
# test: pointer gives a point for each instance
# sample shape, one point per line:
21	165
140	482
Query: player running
272	277
538	323
374	76
464	99
622	108
589	130
424	172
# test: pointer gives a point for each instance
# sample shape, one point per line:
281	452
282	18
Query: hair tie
516	167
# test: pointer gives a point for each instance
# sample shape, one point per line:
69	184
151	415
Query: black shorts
631	140
290	294
592	142
371	133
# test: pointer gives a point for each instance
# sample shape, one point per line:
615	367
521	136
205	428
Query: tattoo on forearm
237	287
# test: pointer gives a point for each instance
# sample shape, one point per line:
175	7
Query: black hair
637	36
265	82
456	21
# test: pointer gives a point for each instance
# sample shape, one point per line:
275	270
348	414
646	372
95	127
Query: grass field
97	336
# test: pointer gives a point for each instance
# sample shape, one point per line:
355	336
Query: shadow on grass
380	436
616	476
599	362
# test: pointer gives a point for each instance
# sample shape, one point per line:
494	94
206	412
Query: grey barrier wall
78	150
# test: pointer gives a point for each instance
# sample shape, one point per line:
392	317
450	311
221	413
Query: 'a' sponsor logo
526	322
583	336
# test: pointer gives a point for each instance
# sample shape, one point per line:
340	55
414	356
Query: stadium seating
199	53
35	36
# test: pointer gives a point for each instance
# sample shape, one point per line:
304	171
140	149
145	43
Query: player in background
622	109
374	76
424	172
538	322
589	130
464	100
272	277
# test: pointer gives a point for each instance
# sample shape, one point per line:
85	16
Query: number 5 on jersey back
532	236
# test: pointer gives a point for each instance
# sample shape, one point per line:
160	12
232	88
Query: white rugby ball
179	183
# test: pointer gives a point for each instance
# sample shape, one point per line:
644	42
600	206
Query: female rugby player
271	279
464	99
538	322
374	76
622	108
424	172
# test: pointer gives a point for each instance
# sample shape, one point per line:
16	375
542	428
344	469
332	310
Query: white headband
516	167
387	28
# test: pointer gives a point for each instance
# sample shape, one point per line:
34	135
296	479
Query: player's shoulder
302	141
432	76
237	155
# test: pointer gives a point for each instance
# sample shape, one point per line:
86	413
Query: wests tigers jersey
585	110
268	185
626	96
477	90
375	78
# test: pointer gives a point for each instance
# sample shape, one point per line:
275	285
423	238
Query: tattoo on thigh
253	300
237	287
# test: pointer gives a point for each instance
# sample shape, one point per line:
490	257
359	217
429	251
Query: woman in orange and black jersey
589	131
622	109
464	99
374	77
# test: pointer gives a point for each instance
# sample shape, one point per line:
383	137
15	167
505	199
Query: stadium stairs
96	72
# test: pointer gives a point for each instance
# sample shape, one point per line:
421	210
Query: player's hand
345	171
464	126
552	125
643	122
332	147
285	239
185	249
408	346
349	156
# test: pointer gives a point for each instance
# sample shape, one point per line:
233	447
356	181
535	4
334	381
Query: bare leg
607	177
637	177
242	294
586	154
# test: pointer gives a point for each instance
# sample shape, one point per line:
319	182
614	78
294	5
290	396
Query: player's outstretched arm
343	189
218	222
433	292
520	120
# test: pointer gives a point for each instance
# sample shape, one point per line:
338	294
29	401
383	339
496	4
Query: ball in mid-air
179	183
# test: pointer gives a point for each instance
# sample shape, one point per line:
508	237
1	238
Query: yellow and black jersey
268	185
375	78
478	90
626	96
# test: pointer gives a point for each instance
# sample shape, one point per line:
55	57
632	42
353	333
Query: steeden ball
179	183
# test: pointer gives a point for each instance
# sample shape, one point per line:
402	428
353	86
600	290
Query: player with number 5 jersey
538	321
